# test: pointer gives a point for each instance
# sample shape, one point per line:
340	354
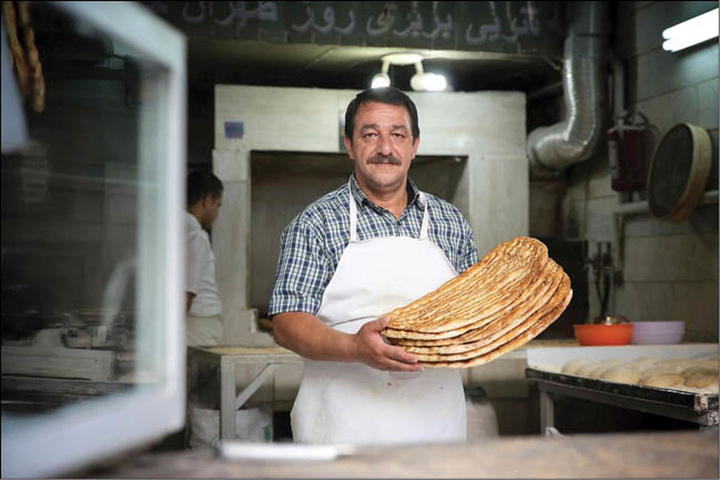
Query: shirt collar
362	199
192	221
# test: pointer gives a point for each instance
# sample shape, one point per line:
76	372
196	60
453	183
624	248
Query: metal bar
698	402
648	406
252	387
227	398
708	197
634	208
547	410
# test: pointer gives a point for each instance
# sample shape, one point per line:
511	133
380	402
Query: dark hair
388	95
201	183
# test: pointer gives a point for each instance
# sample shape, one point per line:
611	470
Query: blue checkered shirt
312	244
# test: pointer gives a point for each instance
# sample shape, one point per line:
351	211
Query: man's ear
208	200
416	145
348	146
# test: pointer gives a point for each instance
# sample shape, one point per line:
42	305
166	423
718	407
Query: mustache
381	159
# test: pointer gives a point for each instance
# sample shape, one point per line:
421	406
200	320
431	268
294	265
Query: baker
373	244
202	303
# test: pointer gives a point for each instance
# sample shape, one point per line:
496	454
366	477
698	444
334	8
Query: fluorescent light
691	32
380	80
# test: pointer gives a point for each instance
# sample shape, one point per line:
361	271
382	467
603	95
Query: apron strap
424	228
353	214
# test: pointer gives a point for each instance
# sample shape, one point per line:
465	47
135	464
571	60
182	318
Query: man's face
212	209
382	146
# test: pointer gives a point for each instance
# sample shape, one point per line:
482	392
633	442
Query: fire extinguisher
625	157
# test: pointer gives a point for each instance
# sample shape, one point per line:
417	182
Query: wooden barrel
679	172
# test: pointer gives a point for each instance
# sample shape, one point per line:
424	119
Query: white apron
352	403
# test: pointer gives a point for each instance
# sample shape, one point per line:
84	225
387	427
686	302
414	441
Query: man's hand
373	351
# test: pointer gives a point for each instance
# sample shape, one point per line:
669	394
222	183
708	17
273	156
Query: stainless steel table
226	359
698	408
544	367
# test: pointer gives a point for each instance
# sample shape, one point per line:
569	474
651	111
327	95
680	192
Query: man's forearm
309	337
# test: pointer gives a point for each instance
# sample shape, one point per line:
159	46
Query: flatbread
511	295
535	298
517	337
503	326
490	286
475	297
513	344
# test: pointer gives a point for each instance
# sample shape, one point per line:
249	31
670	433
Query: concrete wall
488	128
671	270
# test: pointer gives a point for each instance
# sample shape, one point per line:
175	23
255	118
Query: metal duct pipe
576	137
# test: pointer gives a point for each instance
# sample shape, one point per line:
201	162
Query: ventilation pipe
576	137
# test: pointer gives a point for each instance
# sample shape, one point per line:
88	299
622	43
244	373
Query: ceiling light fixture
430	82
421	81
382	79
691	32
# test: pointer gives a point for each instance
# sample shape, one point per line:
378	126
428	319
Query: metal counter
544	369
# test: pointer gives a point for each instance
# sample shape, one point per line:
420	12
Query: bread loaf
497	305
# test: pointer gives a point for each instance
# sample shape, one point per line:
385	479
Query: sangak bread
532	299
511	345
497	305
513	324
475	297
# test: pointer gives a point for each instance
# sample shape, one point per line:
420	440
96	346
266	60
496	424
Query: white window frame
76	435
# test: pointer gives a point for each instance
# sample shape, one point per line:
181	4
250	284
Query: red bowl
599	334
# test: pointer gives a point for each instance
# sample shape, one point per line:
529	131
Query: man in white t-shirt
202	303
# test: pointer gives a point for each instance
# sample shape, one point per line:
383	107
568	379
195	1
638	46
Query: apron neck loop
353	214
424	229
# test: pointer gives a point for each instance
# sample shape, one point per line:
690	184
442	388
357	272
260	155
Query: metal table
226	359
690	407
544	369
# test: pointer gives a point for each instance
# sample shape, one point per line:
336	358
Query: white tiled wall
670	270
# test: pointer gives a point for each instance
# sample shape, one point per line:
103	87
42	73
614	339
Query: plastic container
658	333
601	334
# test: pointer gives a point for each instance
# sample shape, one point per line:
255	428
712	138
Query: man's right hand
309	337
373	351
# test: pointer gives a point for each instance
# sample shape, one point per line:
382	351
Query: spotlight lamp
421	81
382	79
430	82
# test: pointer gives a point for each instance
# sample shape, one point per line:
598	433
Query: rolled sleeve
302	273
469	255
194	249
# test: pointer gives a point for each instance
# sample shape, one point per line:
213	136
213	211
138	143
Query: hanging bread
26	61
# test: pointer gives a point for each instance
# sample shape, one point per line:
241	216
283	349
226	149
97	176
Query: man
202	304
368	247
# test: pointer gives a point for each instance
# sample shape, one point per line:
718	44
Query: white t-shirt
200	270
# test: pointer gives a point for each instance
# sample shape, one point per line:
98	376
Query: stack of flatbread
499	304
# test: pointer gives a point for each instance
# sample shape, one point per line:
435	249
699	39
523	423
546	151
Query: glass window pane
81	211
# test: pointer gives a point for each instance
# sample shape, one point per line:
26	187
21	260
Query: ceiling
213	61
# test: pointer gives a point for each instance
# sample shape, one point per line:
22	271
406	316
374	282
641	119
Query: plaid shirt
313	242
